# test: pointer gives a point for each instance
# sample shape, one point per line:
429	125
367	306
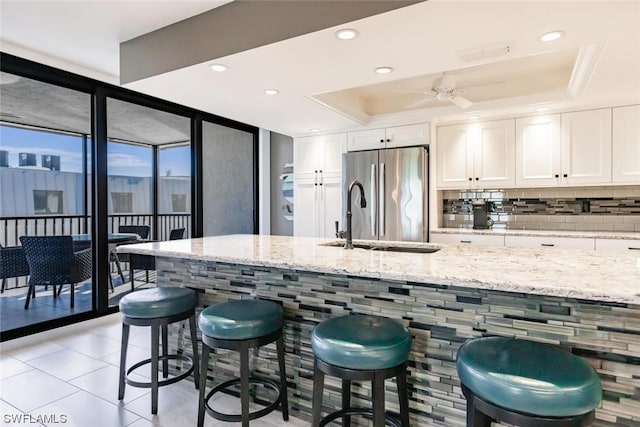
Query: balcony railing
11	228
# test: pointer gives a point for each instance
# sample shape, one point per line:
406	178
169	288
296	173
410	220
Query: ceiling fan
444	89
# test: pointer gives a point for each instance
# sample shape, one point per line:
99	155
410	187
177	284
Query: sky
124	159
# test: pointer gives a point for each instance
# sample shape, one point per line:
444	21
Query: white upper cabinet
318	155
317	184
626	145
538	151
477	155
399	136
454	157
568	149
494	154
586	147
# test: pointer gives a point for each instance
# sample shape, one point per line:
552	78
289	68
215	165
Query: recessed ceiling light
271	91
346	34
474	117
218	67
383	70
314	130
551	36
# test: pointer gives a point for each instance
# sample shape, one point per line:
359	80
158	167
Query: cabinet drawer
468	239
618	245
550	242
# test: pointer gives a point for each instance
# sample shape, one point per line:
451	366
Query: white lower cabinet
618	245
581	243
468	239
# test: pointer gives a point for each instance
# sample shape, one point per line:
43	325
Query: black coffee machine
481	218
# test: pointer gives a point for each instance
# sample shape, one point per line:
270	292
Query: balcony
44	307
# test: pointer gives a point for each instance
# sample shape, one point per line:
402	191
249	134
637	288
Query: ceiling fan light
443	96
551	36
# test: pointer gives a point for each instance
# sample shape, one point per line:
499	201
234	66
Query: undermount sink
416	248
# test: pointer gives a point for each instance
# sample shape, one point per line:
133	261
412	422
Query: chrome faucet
363	204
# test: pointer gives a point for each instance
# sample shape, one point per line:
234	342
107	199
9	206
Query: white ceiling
597	63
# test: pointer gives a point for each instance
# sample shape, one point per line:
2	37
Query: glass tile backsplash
571	209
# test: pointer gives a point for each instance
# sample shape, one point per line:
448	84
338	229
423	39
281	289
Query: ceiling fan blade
460	101
419	103
424	92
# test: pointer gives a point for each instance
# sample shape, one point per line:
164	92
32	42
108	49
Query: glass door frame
99	92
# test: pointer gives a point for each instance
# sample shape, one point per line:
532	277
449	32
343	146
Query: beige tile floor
69	377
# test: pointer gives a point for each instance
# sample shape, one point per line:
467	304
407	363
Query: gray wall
281	207
227	180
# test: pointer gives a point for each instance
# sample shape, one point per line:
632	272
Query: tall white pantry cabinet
317	190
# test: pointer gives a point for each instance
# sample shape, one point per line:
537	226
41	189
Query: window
47	202
122	202
179	202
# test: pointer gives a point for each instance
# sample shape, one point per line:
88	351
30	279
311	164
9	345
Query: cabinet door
331	194
308	154
626	145
581	243
407	136
625	245
494	154
366	140
538	151
333	147
468	239
453	167
306	211
586	147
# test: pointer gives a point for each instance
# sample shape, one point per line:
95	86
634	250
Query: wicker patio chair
13	263
52	261
148	262
140	230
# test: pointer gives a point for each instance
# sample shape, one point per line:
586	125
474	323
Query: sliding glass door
45	136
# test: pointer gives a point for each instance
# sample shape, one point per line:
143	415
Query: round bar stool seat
157	308
242	325
526	383
361	348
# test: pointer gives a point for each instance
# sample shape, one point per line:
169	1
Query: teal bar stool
526	383
361	348
242	325
157	308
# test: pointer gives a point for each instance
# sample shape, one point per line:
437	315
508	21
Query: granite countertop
601	276
546	233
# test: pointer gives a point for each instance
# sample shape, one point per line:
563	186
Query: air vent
485	52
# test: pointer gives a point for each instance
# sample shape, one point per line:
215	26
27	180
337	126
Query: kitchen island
586	302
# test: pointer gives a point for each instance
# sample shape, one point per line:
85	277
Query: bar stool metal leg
284	401
378	399
194	345
123	359
244	382
204	367
155	337
165	352
403	398
318	387
346	401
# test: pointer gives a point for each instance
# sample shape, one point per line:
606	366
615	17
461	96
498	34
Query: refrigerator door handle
381	201
372	197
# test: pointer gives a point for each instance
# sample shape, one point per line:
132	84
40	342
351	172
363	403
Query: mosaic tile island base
586	302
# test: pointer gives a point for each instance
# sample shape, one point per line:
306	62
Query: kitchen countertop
599	276
547	233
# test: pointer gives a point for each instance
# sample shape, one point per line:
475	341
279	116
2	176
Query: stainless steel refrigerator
396	189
